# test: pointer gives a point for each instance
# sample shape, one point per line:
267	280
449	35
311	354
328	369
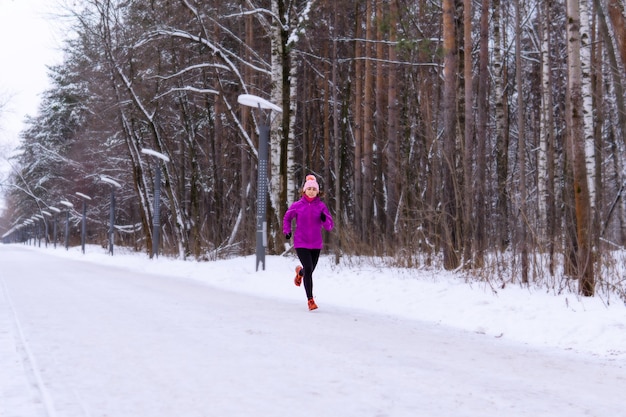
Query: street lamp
45	223
67	222
31	232
261	208
83	229
113	184
156	215
54	228
37	221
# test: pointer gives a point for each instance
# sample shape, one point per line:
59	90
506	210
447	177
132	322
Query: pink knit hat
311	182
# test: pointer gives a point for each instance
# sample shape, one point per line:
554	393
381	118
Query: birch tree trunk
287	26
587	108
281	96
545	161
597	88
502	145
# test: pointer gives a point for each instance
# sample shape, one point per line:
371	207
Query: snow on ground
98	335
532	316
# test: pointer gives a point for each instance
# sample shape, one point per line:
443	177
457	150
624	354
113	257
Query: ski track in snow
26	394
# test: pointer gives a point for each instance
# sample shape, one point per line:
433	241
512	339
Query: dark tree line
483	135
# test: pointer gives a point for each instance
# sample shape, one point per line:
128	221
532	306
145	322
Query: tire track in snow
16	357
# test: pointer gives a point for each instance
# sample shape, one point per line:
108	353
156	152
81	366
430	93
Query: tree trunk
280	132
468	148
587	108
545	162
501	129
380	213
521	145
482	104
337	215
449	200
392	147
584	258
359	64
617	15
368	126
618	128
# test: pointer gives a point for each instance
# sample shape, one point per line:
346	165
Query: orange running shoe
298	279
312	305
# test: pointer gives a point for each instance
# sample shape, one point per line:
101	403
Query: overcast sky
29	41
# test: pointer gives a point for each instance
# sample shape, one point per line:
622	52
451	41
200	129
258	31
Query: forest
481	136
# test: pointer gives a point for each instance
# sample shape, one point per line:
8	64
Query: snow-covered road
80	339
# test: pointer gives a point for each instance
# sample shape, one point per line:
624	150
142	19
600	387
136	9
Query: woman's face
311	192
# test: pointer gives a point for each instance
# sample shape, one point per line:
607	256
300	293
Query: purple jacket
309	225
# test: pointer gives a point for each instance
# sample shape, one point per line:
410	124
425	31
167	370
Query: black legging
308	259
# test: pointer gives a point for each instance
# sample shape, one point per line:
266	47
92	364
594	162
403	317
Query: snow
123	335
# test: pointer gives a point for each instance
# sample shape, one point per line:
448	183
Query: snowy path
105	342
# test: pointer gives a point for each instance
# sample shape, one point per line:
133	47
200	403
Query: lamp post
156	215
54	228
24	232
37	221
67	222
114	184
261	208
45	223
83	229
30	230
34	229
